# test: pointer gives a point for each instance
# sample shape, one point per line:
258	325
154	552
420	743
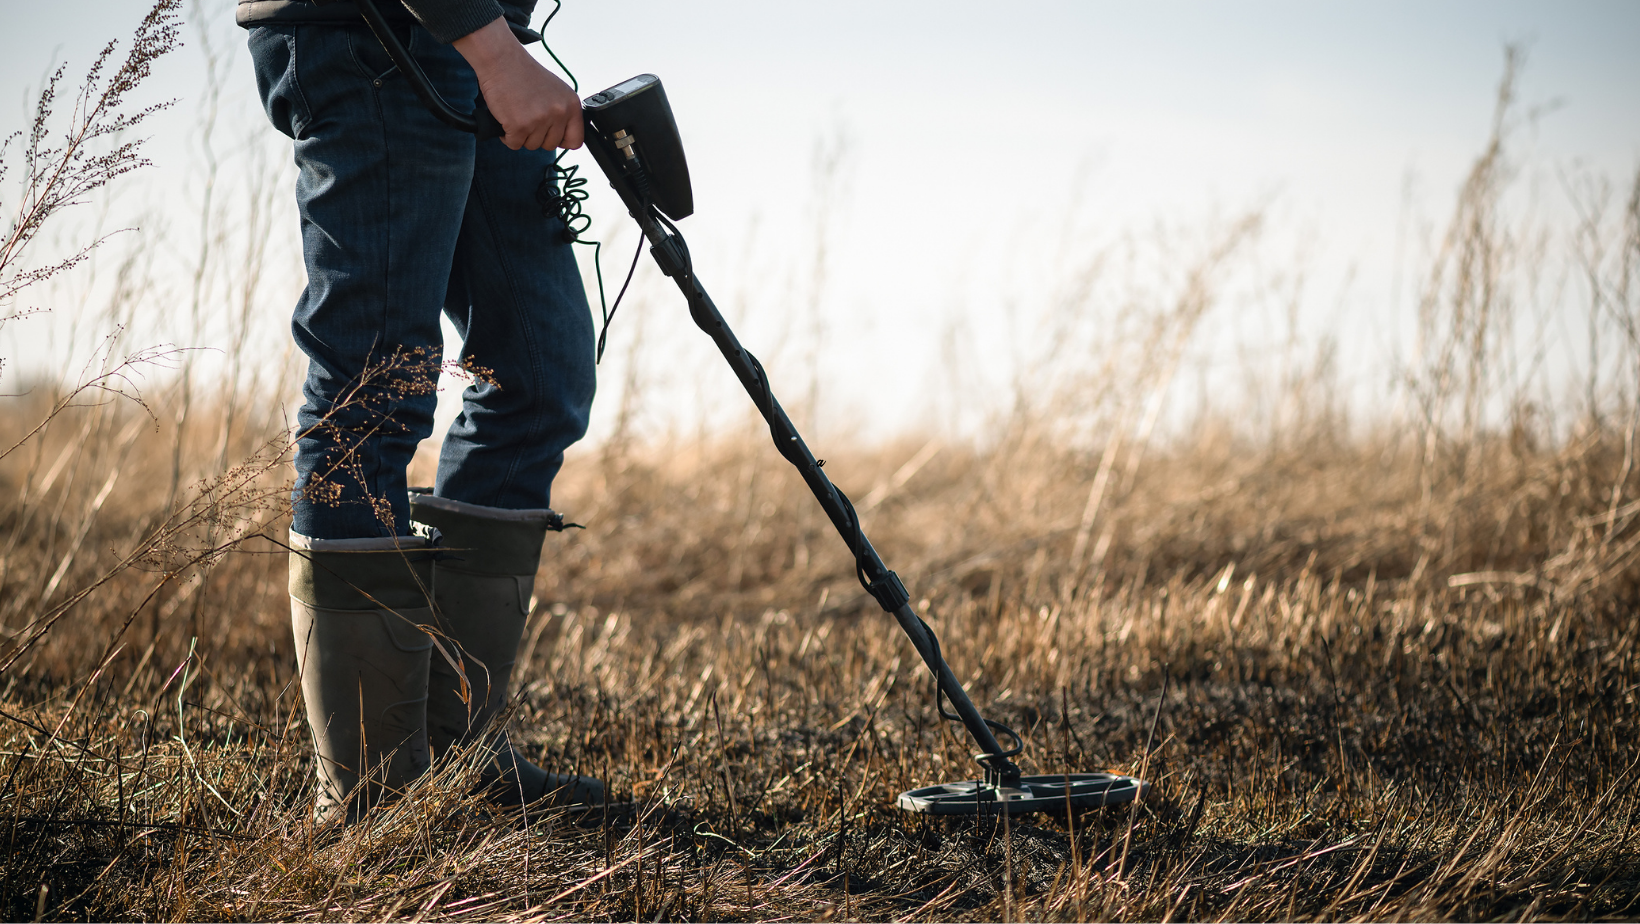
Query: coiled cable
562	194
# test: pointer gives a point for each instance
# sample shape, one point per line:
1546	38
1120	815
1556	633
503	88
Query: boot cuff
373	544
360	574
486	540
541	516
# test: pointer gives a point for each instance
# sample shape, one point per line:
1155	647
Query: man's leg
381	191
517	300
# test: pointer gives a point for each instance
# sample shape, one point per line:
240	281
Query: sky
979	153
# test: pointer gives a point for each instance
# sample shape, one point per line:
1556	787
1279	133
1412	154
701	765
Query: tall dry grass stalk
1381	669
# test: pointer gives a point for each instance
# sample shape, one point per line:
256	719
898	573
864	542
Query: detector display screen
624	89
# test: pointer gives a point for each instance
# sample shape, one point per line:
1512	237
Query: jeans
403	217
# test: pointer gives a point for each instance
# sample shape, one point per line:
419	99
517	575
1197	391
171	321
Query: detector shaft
669	254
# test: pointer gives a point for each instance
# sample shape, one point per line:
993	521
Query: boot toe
510	780
564	789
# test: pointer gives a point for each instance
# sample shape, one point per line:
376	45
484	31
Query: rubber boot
358	610
482	584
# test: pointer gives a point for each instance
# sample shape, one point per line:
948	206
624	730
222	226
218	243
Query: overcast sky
979	139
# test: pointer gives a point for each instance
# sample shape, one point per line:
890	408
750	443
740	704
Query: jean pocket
369	57
273	55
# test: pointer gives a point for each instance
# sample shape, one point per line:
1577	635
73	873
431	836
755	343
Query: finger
558	116
529	136
574	132
554	135
514	139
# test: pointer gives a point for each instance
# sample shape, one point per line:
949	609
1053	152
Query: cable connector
668	256
624	141
889	591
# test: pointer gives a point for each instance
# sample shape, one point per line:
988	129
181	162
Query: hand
536	109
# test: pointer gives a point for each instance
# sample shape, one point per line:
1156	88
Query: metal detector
633	137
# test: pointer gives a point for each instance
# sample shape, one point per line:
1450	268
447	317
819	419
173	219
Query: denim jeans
403	217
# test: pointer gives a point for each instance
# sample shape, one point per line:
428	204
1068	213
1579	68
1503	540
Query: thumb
574	132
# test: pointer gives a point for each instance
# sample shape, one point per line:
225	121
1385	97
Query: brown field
1375	668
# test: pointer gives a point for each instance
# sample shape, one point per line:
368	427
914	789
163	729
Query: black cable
683	245
857	545
573	83
566	204
610	314
856	540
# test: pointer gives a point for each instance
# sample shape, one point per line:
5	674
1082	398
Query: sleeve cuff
449	20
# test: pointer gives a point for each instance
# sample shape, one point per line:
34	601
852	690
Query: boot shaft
482	587
361	614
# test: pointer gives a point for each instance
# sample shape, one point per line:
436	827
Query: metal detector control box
635	115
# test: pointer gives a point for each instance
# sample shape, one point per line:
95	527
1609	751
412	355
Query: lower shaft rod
791	445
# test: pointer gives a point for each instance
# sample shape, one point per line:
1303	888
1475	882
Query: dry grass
1337	738
1381	671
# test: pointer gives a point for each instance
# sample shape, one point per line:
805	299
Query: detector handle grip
485	125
